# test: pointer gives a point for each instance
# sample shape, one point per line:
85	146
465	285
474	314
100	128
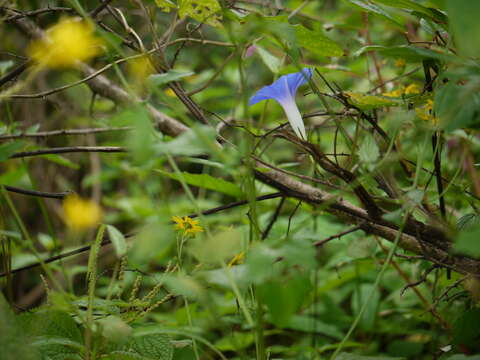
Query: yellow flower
169	92
237	259
400	62
81	213
180	224
187	225
65	44
394	93
425	112
412	89
140	68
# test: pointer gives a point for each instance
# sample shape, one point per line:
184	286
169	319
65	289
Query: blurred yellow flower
187	225
412	89
425	112
81	213
65	44
394	93
169	92
409	90
140	68
237	259
400	62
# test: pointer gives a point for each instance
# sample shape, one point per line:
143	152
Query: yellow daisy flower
187	225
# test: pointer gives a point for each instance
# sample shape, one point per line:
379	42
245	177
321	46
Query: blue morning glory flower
283	91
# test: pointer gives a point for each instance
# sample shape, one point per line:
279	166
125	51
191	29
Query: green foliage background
304	283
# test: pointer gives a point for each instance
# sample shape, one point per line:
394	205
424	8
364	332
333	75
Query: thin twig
69	149
43	134
42	194
320	243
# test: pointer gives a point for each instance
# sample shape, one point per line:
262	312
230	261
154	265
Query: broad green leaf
316	42
283	298
236	341
124	355
53	323
204	11
310	324
465	26
185	285
372	8
271	61
468	221
165	5
467	241
9	148
368	151
457	106
165	78
153	346
369	102
466	330
115	329
407	52
14	342
218	248
118	241
411	5
206	181
59	335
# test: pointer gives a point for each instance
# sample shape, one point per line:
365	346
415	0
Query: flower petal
282	89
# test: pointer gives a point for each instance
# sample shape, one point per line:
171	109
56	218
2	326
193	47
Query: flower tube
283	91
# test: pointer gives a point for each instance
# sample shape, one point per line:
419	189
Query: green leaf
165	78
368	151
53	323
458	106
283	298
467	241
312	325
271	61
206	181
407	52
14	343
118	241
316	42
10	148
466	330
204	11
411	5
372	8
465	26
165	5
153	346
217	248
468	221
58	335
369	102
236	341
